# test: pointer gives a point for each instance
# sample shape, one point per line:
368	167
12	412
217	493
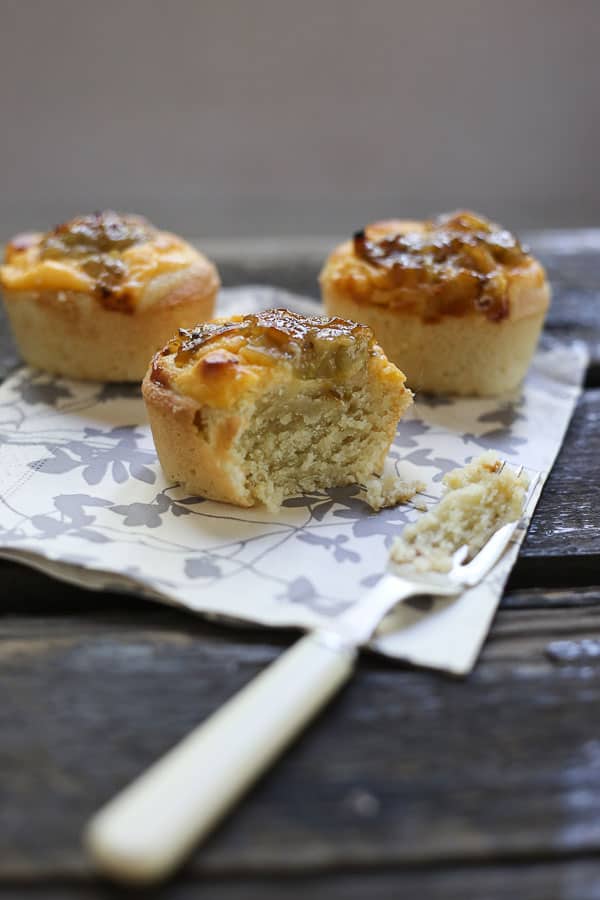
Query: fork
143	833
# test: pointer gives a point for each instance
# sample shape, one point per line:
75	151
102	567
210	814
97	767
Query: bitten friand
257	408
456	301
95	297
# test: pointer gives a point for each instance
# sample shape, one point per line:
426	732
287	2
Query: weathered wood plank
405	768
575	310
574	880
26	591
567	521
549	598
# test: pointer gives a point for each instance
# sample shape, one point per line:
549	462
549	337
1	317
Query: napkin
83	498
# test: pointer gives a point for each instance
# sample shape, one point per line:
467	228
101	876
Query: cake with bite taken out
256	408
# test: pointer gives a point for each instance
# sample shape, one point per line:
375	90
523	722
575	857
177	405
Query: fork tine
490	553
531	492
492	550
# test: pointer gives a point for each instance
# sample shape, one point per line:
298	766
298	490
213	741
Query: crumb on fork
480	498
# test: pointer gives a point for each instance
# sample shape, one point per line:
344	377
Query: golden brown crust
454	265
69	320
456	302
218	362
110	256
192	448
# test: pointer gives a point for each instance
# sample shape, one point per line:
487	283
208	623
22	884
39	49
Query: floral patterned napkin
83	498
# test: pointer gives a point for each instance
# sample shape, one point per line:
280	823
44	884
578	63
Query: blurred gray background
266	117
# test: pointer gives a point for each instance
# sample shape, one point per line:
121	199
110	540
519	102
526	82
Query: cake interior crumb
390	489
313	440
480	498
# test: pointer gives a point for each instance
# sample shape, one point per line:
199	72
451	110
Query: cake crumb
480	498
389	489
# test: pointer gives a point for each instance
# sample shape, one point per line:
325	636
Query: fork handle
149	828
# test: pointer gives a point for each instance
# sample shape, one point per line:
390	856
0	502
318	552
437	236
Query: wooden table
411	784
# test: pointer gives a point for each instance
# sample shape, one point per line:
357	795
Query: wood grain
566	522
577	879
407	768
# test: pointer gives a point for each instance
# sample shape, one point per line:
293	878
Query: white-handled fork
150	827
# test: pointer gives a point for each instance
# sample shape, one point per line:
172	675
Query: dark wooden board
577	879
567	521
406	768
